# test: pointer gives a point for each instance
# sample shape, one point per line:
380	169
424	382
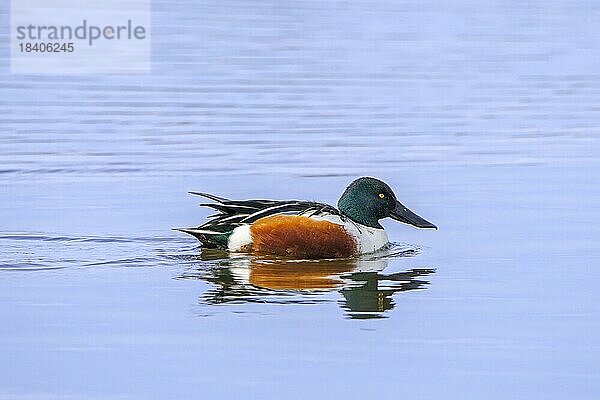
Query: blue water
484	118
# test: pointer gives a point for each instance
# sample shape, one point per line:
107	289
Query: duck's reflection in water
366	291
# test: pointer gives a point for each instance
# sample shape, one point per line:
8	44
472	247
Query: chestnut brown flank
301	237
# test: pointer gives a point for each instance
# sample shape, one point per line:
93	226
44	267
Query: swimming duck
306	229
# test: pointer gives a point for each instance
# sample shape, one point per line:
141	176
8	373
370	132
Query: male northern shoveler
306	229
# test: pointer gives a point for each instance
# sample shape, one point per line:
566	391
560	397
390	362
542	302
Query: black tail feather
210	196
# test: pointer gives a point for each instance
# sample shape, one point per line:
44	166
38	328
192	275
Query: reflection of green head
370	293
367	300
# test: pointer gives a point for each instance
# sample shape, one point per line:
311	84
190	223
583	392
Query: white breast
368	239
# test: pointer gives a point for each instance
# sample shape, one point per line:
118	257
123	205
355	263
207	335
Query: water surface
483	117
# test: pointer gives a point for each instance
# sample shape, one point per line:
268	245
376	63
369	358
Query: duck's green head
367	200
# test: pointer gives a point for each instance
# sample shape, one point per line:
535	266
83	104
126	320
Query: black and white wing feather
233	213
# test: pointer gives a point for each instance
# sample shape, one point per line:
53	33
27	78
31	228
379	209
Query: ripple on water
25	251
27	266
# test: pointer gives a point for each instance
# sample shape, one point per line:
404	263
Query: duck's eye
381	195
